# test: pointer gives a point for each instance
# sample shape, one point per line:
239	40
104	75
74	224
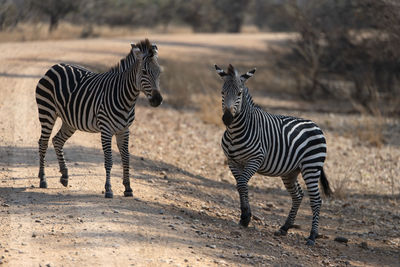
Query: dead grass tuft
192	85
369	130
210	108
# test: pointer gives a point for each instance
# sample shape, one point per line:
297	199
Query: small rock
70	216
115	211
211	246
269	205
5	205
256	217
364	245
161	212
33	235
236	233
341	239
38	221
165	177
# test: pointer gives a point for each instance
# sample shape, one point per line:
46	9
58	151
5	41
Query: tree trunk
53	23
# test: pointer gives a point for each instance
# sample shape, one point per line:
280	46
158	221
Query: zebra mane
231	70
124	63
249	98
145	47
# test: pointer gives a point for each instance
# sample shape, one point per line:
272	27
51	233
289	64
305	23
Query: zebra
97	103
273	145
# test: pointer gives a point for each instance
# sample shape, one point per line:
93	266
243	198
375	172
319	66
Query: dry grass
340	185
193	86
65	30
369	130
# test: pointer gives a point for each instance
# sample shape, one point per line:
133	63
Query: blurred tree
271	15
55	9
167	12
200	15
232	14
349	49
11	13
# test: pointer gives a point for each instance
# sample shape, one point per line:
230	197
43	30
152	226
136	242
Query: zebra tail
325	184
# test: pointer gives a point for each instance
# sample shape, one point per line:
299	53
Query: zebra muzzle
227	118
156	99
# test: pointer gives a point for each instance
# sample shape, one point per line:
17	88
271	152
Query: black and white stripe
96	102
273	145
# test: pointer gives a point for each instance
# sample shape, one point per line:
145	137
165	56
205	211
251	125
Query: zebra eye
239	93
144	72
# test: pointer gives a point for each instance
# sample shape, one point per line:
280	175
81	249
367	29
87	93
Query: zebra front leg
122	142
294	189
245	209
59	140
311	178
242	178
106	143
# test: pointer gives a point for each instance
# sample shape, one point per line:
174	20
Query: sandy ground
185	207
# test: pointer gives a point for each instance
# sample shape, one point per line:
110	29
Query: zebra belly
267	172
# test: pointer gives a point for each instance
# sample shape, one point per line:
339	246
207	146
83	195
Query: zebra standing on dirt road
96	102
274	145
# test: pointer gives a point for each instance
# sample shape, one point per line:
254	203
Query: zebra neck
244	118
127	88
126	63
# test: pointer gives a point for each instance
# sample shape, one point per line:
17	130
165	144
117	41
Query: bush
348	49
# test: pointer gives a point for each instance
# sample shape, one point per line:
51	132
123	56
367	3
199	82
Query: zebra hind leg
295	191
58	142
47	119
311	177
123	142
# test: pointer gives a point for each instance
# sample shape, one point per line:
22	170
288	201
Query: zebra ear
153	51
220	71
135	48
247	75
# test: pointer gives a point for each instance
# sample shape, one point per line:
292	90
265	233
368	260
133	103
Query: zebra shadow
78	158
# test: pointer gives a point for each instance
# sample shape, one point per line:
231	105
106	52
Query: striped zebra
96	102
273	145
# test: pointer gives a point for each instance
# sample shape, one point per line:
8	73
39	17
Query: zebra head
232	92
148	72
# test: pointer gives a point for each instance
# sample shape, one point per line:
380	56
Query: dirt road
185	207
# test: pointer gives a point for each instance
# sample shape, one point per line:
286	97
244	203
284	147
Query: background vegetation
343	50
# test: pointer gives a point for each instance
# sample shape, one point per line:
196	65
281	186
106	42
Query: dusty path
185	207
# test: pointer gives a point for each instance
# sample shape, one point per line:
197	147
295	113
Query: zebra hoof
128	194
280	232
109	195
310	242
244	222
43	184
64	181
